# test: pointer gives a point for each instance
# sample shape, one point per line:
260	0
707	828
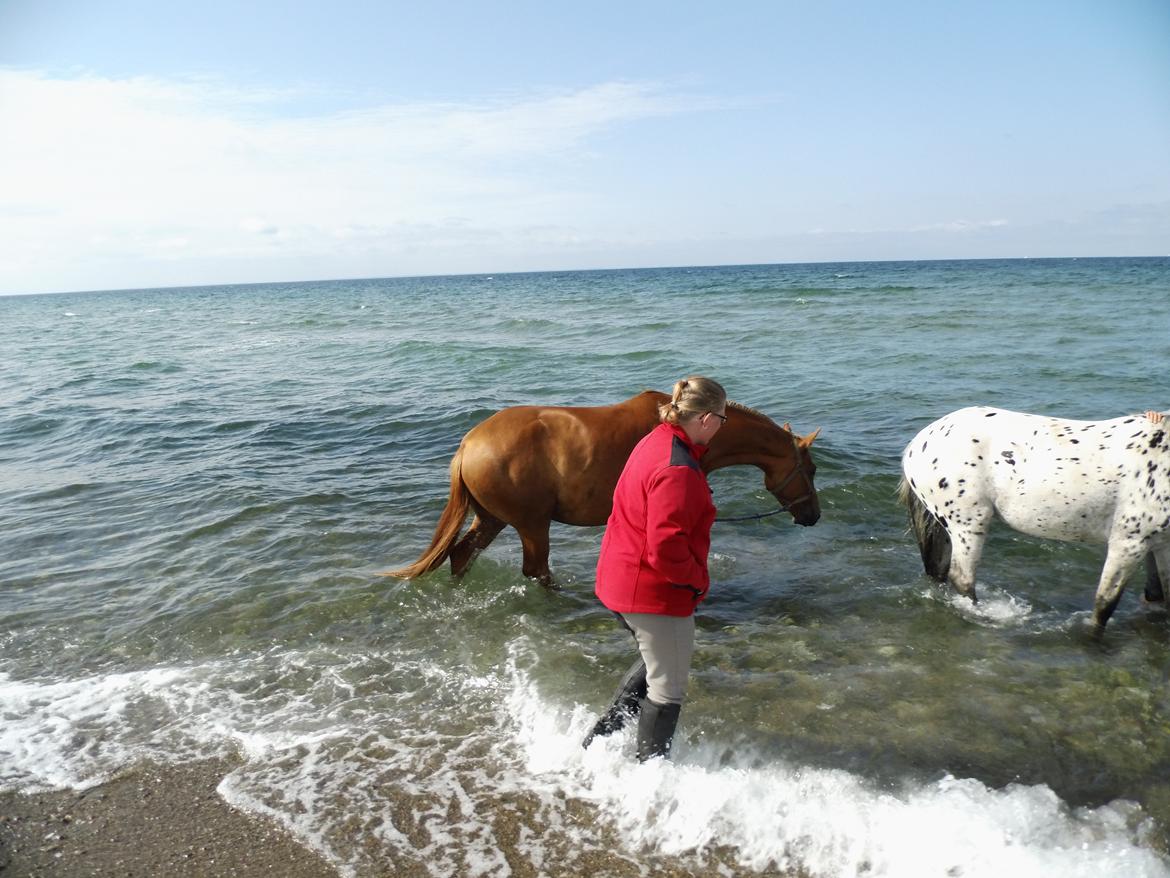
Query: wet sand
167	821
152	821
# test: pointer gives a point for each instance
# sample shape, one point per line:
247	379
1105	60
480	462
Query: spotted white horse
1077	481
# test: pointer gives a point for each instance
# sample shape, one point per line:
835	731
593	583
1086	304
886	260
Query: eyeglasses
722	418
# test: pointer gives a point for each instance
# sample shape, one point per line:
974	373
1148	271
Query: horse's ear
806	441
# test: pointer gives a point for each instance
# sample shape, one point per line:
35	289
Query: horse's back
951	444
562	436
558	462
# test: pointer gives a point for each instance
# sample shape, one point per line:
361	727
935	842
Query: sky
153	144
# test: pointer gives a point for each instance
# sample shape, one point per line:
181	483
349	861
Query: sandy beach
168	821
152	821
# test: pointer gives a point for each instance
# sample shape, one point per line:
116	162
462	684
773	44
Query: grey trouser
666	644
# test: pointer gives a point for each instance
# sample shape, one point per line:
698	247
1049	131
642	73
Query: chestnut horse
529	465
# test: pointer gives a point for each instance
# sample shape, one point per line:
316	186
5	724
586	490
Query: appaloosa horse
1077	481
529	465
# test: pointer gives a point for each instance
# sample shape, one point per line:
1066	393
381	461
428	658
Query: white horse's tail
934	542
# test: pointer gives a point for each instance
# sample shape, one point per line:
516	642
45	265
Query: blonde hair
691	398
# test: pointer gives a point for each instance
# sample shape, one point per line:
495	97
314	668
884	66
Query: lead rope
754	517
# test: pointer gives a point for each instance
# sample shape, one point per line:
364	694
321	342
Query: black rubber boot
626	703
656	729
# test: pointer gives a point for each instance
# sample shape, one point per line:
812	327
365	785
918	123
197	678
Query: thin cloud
105	169
961	225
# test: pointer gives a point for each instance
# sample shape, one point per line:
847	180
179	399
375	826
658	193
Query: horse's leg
1157	575
967	539
534	539
1119	560
484	528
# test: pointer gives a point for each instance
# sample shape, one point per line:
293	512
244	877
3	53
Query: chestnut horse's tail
934	542
446	531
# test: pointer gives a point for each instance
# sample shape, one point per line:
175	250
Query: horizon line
469	274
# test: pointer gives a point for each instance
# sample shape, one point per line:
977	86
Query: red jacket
654	552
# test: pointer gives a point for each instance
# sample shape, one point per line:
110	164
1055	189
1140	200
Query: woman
652	571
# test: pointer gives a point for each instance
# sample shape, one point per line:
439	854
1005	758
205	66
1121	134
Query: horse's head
790	478
751	437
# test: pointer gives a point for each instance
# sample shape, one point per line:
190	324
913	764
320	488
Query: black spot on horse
942	483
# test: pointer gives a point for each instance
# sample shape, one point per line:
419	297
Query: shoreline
168	821
150	820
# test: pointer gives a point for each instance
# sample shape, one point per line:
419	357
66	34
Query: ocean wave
369	759
767	814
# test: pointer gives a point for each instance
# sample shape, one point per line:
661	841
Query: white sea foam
826	822
373	760
995	607
68	733
318	754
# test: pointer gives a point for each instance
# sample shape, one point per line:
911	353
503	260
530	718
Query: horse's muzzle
806	512
806	518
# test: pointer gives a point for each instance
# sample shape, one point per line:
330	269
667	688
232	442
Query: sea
199	488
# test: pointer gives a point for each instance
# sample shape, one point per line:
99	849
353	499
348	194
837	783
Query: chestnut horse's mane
748	410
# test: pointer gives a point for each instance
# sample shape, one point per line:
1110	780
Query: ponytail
692	397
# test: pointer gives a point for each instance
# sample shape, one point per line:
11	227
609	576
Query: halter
797	470
785	506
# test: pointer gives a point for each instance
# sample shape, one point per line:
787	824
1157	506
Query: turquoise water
199	486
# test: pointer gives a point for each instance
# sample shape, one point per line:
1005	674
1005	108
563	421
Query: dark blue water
198	487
